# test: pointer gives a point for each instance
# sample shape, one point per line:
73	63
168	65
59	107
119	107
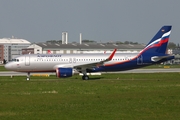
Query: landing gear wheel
85	77
28	76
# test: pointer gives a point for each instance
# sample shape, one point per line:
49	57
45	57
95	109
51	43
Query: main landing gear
85	77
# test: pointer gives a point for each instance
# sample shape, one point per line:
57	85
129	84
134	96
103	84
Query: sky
99	20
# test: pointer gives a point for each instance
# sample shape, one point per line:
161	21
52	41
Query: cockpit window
15	60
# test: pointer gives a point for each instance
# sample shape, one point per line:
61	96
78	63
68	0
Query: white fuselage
49	62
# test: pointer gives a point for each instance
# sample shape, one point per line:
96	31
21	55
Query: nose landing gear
28	76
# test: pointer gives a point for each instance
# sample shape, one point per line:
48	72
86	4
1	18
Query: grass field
110	96
2	68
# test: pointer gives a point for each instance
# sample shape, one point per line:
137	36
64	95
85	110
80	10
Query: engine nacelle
64	72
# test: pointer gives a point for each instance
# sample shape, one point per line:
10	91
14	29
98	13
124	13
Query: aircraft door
140	60
70	60
27	60
74	60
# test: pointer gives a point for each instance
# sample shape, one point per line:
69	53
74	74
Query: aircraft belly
117	67
37	67
43	67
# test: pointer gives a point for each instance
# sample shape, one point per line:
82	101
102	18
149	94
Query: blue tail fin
159	42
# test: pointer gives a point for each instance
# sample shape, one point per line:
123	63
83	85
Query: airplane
65	64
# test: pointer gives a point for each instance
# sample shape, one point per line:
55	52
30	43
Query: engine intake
64	72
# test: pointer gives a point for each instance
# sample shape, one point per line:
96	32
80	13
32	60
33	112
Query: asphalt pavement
164	70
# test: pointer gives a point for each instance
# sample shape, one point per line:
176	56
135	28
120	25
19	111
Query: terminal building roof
90	46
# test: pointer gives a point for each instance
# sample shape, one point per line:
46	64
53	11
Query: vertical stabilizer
159	42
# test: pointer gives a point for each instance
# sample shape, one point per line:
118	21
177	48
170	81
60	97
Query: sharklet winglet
112	55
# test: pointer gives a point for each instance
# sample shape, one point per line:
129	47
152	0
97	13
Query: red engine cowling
64	72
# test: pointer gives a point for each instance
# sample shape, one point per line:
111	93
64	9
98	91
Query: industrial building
11	47
73	48
176	52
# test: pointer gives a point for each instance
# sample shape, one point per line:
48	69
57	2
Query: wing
82	67
94	64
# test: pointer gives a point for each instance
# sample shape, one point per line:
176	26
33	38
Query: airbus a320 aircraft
65	64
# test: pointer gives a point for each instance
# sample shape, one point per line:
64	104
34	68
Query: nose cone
8	66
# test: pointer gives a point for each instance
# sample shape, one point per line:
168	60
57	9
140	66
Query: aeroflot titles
49	55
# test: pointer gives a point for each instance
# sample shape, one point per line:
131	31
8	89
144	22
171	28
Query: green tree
88	41
171	45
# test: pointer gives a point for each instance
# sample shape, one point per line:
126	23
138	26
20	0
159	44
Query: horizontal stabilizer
158	58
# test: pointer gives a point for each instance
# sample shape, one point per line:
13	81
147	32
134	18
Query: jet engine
64	72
